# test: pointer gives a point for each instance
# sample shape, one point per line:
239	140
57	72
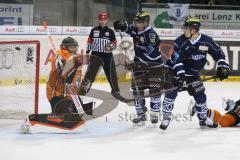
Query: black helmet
193	23
69	41
142	16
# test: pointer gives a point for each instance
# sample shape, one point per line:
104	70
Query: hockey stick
45	26
49	36
78	101
174	88
133	78
167	90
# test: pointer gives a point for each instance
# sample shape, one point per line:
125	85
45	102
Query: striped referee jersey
99	38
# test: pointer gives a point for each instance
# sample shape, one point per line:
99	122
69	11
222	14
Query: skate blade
139	125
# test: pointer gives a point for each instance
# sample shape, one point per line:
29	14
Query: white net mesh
19	64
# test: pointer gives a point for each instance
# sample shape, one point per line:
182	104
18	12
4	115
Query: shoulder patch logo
107	34
96	33
152	37
203	48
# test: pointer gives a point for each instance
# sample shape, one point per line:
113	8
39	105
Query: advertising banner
16	14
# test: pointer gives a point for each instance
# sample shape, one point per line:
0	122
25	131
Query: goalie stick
45	26
80	106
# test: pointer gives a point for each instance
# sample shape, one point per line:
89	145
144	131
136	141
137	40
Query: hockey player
190	50
230	119
147	56
101	42
56	84
65	114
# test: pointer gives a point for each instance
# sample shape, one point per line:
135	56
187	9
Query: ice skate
154	118
165	123
139	121
207	123
26	127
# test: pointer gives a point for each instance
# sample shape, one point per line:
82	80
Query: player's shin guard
155	105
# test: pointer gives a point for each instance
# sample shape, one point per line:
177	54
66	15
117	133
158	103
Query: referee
101	42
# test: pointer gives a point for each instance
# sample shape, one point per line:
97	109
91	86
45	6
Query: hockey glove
130	66
181	84
120	25
136	66
222	73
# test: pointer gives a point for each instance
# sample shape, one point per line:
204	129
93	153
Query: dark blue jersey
146	45
193	54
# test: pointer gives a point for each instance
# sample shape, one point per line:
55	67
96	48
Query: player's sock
155	105
140	106
167	108
140	110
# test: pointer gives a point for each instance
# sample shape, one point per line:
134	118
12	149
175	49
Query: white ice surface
111	138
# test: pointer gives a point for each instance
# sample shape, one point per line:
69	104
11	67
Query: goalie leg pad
54	101
61	121
68	106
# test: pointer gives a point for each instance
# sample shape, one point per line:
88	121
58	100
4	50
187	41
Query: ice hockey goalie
62	88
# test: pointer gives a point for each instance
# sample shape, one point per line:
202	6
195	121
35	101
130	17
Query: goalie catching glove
120	25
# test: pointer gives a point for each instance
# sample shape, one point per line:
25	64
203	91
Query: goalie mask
70	44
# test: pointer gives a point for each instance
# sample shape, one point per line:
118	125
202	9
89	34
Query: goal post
19	78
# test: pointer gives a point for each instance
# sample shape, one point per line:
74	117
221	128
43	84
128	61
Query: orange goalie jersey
56	82
230	119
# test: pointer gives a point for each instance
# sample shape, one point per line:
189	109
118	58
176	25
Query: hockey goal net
19	78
